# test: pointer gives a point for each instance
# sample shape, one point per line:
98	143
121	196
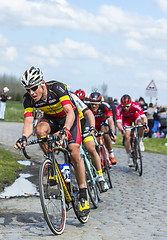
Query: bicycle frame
88	163
54	163
105	149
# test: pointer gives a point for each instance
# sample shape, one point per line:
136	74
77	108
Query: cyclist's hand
146	128
114	139
21	143
64	134
112	135
92	130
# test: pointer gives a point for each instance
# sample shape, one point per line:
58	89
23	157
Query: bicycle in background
58	190
104	156
135	148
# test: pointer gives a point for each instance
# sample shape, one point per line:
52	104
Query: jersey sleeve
28	106
60	90
108	111
79	104
138	108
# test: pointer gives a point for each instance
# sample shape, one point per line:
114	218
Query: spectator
156	121
113	108
116	102
163	121
3	99
143	105
150	116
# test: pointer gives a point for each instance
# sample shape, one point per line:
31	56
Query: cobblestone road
136	207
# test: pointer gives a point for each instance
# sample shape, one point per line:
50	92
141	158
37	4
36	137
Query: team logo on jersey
53	100
61	89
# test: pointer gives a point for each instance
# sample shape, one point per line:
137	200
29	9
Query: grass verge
14	111
152	145
9	168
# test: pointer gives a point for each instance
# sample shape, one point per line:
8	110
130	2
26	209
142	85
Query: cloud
61	14
135	45
162	4
116	61
159	53
68	48
115	18
11	53
3	41
42	62
160	76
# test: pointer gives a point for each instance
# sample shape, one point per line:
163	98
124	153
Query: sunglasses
32	89
125	106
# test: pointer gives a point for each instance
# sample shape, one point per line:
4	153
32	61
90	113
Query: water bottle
65	169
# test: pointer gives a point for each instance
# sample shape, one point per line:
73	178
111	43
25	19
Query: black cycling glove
21	140
94	130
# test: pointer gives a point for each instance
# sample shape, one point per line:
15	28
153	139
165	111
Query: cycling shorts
85	129
104	123
56	124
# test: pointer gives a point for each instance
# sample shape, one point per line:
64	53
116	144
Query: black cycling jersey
57	97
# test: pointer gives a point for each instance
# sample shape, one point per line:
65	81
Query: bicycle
57	191
104	156
91	175
135	148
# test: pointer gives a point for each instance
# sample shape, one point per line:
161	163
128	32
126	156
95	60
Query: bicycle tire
91	186
106	172
139	164
52	198
75	196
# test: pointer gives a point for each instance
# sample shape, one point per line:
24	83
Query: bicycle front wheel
106	172
91	186
75	196
52	197
139	165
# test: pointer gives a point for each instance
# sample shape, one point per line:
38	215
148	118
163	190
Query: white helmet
6	89
32	77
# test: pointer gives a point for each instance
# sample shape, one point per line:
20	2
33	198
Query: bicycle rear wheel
52	197
106	172
75	196
139	165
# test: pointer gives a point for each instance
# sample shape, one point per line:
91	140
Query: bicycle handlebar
48	138
135	126
110	132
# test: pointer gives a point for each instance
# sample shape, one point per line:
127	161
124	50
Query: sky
88	44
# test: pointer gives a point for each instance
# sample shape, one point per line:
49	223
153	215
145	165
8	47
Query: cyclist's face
36	94
126	108
95	107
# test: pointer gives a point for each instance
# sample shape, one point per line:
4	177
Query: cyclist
126	113
80	94
103	121
59	113
88	125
